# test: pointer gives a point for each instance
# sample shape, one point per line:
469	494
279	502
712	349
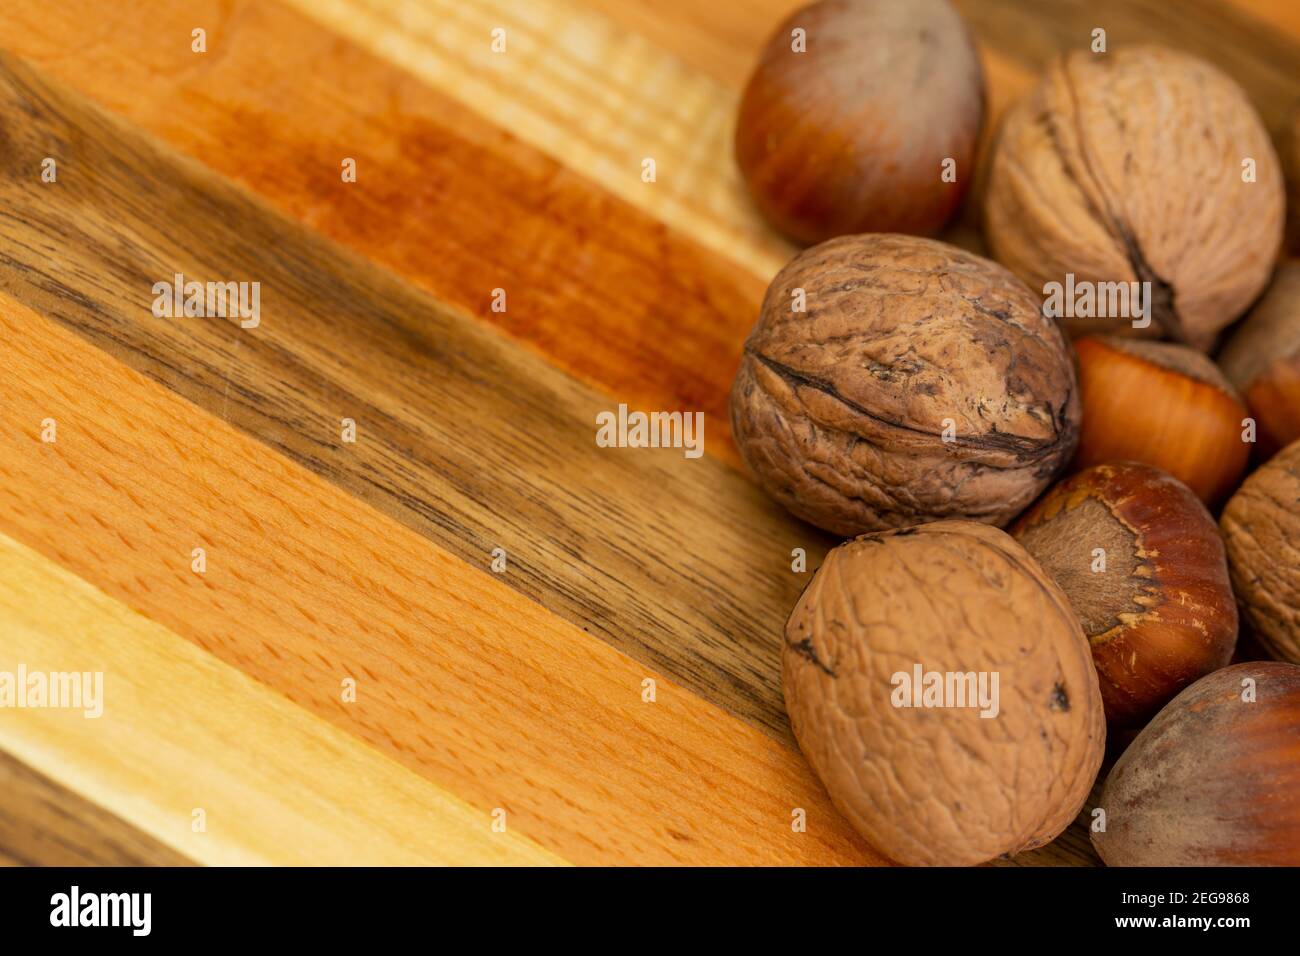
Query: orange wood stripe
1283	14
442	196
594	96
487	694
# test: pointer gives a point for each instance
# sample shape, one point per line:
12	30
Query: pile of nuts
952	683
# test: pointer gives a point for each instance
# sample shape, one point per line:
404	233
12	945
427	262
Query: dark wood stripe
44	824
1260	57
462	435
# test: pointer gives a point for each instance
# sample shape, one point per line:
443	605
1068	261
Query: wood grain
458	678
594	96
1253	52
181	731
45	824
444	198
679	562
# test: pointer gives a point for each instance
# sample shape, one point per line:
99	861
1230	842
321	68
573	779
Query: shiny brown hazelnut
1261	528
1143	566
892	380
865	121
940	687
1213	779
1262	359
1164	404
1143	164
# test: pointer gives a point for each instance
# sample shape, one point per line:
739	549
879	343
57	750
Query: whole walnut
942	689
892	380
854	128
1261	530
1131	166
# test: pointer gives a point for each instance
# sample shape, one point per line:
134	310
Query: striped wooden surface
349	680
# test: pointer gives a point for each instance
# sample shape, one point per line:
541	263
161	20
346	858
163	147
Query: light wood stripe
461	679
181	730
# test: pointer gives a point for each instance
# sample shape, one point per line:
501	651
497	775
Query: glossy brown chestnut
848	125
1262	359
1143	566
1163	404
1213	779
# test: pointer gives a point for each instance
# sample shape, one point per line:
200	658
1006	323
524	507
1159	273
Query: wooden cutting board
468	634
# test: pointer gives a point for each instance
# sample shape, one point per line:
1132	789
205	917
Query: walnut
938	783
1129	166
1261	529
853	129
922	382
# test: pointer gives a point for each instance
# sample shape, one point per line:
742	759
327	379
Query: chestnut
1262	359
1141	561
1212	780
1164	404
865	121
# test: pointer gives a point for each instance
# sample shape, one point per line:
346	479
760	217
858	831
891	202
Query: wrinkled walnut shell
841	411
851	135
1127	166
1213	779
1261	529
943	785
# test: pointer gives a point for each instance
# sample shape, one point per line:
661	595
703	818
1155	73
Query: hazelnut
1212	780
851	131
947	777
921	382
1163	404
1140	165
1142	564
1262	359
1261	528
